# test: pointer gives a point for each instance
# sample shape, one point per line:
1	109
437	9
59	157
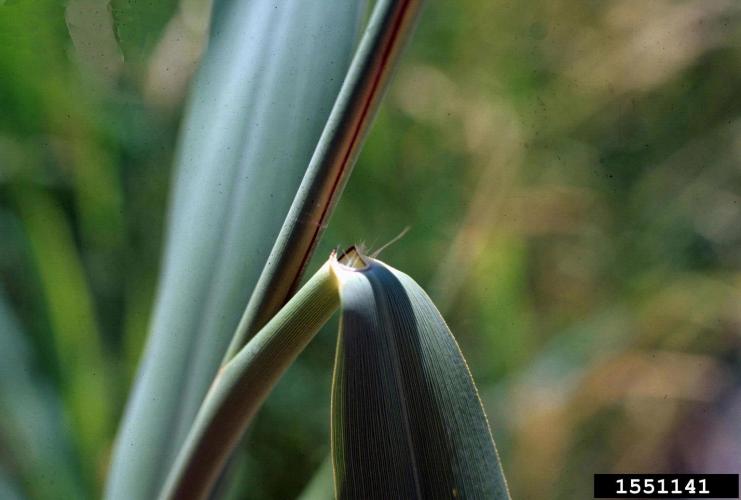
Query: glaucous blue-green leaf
258	104
407	421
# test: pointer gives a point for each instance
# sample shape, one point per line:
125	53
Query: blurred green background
570	171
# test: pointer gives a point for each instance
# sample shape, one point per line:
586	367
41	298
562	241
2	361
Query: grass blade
407	421
262	96
244	383
83	364
332	162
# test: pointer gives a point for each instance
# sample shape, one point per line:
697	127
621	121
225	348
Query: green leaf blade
84	368
302	70
407	419
258	105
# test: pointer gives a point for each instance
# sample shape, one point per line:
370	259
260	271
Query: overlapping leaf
407	421
260	101
387	30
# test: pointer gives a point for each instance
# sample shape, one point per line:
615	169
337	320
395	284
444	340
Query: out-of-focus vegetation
571	174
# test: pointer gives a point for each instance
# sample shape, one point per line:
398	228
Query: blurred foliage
571	175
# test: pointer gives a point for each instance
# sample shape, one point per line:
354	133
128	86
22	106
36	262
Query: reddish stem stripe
404	13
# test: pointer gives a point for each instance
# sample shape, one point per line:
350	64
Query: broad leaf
259	103
407	421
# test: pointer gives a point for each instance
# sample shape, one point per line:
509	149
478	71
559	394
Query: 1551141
666	486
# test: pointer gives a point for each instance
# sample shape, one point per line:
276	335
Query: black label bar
666	486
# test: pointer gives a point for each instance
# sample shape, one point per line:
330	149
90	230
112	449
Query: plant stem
333	159
243	384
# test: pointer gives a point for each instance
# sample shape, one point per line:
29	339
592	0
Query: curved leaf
407	421
243	384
